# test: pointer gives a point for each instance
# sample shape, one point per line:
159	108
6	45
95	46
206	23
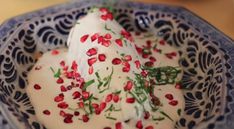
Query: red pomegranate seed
144	73
104	17
58	98
59	81
144	55
173	102
149	64
76	113
109	16
46	112
109	98
139	124
115	98
54	52
90	70
162	42
100	39
130	100
106	43
76	95
148	42
91	52
94	37
126	64
85	118
65	68
108	36
168	55
116	61
126	69
62	63
104	10
97	111
139	50
169	96
85	94
138	64
91	61
37	87
149	127
68	119
62	113
84	38
128	57
118	125
178	86
38	67
102	105
63	88
101	57
146	115
137	33
152	59
95	105
81	104
63	105
128	86
119	42
74	65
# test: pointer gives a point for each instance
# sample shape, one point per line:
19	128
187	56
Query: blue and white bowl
207	59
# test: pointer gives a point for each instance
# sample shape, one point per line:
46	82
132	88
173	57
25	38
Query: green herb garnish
87	84
56	74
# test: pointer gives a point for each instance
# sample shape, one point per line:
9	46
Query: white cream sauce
43	99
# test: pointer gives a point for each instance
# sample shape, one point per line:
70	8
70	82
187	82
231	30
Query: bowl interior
205	63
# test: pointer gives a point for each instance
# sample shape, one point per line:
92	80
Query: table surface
219	13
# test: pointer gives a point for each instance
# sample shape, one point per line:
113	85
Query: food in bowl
107	78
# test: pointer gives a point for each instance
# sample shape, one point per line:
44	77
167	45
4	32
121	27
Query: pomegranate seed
94	37
59	81
139	124
95	105
85	118
149	127
109	16
84	38
85	94
147	115
109	98
108	36
74	65
76	95
62	63
81	104
144	55
46	112
173	102
62	113
138	64
90	70
100	39
116	61
58	98
168	55
68	119
65	68
104	17
126	69
106	43
97	111
54	52
91	61
102	105
119	42
128	57
126	64
137	33
149	64
101	57
104	10
91	52
128	86
144	73
37	87
148	42
115	98
63	105
169	96
63	88
130	100
139	50
76	113
178	86
162	42
152	59
173	53
118	125
38	67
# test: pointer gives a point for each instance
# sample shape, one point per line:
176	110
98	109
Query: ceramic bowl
207	58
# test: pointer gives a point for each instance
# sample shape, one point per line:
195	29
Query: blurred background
219	13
